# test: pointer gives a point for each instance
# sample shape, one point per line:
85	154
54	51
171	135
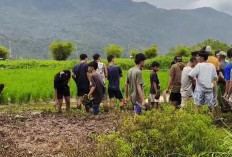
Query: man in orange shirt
212	59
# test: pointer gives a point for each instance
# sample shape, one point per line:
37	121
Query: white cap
208	49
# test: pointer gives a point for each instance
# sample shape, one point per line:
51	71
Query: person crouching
62	90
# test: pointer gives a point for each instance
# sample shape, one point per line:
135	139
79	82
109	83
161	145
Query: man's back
175	72
206	74
114	73
101	71
134	78
80	71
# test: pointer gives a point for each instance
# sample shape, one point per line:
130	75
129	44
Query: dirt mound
38	134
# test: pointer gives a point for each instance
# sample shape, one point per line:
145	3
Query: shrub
115	50
165	133
61	50
3	52
133	52
151	52
180	50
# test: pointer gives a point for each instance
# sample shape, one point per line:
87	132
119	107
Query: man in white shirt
205	74
187	83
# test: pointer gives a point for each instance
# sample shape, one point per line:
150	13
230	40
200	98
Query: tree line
61	50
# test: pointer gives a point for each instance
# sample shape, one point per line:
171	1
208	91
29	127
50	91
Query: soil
44	134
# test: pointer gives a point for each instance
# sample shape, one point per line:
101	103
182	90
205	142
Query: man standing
1	88
187	84
175	82
81	78
97	89
114	74
102	70
136	84
213	60
206	74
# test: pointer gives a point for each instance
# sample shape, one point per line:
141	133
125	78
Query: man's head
193	61
229	53
140	59
65	74
178	59
84	57
92	66
221	56
155	66
208	50
202	56
194	53
97	57
110	59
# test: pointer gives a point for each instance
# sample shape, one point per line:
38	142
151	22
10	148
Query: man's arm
91	91
155	87
171	79
140	92
120	72
105	70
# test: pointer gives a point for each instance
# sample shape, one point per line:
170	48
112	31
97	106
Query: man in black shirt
1	88
61	87
155	85
114	74
81	77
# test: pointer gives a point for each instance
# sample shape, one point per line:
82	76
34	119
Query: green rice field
36	85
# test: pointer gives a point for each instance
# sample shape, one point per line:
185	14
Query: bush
163	133
151	52
115	50
61	50
180	50
3	52
133	52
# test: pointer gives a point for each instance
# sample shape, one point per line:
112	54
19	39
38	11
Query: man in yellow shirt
213	60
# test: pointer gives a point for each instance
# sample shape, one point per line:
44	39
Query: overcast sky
221	5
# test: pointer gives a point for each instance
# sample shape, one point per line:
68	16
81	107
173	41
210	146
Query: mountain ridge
93	24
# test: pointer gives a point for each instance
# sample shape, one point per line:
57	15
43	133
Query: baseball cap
222	53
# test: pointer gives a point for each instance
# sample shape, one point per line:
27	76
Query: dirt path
38	134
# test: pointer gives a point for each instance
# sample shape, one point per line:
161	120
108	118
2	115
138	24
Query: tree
115	50
133	52
151	52
215	45
3	52
180	50
61	50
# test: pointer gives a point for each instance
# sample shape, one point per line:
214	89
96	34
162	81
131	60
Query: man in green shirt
135	83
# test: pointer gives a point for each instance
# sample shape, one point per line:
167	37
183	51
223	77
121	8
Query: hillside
31	25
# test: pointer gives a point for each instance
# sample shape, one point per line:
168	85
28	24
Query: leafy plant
180	50
165	133
61	50
3	52
151	52
115	50
133	52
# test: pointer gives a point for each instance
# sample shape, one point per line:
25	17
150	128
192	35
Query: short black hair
178	59
192	59
216	52
155	64
194	53
96	56
139	58
93	64
83	56
229	53
204	54
65	74
110	58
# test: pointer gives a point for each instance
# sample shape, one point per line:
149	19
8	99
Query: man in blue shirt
81	78
114	74
227	73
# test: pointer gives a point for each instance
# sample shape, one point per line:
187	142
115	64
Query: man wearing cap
212	59
221	55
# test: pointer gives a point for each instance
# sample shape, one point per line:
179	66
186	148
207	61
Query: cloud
221	5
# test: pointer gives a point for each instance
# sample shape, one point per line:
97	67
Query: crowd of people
201	79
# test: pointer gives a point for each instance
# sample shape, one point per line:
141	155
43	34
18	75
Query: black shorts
65	92
81	91
115	94
175	97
